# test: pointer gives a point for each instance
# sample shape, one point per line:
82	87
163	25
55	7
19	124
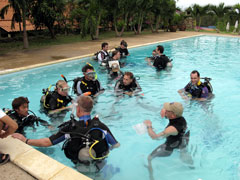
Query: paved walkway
10	171
34	56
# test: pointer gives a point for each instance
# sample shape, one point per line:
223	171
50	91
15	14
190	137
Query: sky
183	4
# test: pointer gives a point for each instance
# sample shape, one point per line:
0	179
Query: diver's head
123	44
173	110
105	46
62	88
195	77
20	105
154	52
116	55
84	106
88	72
128	78
160	49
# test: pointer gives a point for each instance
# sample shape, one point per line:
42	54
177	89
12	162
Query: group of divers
88	141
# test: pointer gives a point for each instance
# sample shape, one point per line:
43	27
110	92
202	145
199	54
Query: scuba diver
115	57
20	114
127	85
195	89
103	55
152	58
175	134
57	100
160	61
87	141
123	49
87	83
114	70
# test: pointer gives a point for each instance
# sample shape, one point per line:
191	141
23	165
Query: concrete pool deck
24	59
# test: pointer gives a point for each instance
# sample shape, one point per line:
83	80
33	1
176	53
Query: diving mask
91	74
65	89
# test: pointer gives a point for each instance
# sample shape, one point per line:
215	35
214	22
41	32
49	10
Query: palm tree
237	11
194	11
202	11
20	14
220	12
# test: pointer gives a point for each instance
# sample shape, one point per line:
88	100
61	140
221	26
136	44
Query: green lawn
41	41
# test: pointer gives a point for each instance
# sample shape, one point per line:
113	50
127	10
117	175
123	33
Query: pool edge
36	163
9	71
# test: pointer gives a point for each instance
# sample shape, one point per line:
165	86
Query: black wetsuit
173	142
23	122
53	101
120	88
123	52
84	85
160	62
115	75
92	128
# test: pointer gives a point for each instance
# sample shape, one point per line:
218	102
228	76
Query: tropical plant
46	13
220	11
20	14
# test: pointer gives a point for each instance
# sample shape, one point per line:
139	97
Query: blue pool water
214	141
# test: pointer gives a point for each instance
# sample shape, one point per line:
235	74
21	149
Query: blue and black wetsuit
81	128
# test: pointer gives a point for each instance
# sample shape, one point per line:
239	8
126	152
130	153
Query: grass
41	41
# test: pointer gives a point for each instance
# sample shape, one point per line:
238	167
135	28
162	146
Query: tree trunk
20	26
98	24
157	24
50	28
140	21
25	37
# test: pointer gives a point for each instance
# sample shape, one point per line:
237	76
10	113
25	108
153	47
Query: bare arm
12	126
44	142
167	132
59	110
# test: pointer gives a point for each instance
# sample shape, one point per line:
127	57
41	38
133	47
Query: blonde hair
60	83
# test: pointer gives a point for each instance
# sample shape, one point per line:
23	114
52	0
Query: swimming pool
214	124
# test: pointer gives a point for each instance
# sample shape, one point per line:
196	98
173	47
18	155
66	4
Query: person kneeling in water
127	85
87	141
195	89
21	114
57	100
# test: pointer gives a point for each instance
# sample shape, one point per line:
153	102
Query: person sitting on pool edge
175	134
161	61
195	89
127	85
87	83
123	49
7	127
20	114
57	100
87	141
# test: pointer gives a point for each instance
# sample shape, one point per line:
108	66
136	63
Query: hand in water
148	123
